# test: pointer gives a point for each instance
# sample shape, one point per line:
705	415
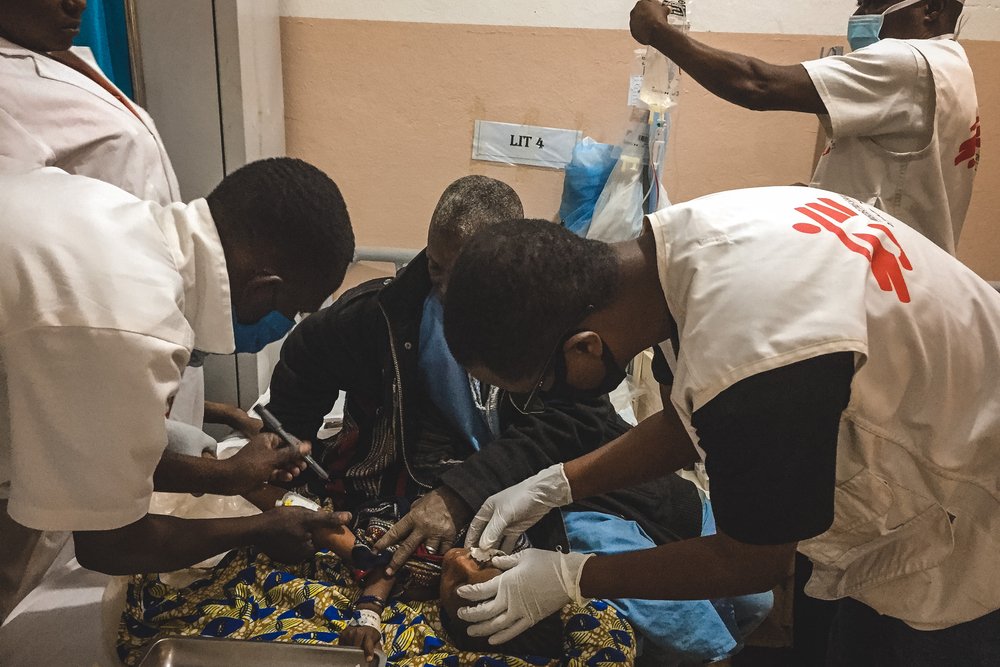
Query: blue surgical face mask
253	337
866	29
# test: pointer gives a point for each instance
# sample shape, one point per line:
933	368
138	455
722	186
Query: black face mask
613	376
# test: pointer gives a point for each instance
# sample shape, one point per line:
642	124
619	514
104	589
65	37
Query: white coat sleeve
884	91
86	409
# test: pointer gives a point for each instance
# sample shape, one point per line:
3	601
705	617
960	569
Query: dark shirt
367	345
770	444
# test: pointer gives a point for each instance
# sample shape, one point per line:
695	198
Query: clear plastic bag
661	76
618	212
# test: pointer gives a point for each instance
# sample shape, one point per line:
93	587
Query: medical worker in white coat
95	329
59	110
901	111
836	371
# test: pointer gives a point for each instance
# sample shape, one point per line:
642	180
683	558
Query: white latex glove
536	584
519	507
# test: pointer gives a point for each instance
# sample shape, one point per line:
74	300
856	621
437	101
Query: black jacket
366	344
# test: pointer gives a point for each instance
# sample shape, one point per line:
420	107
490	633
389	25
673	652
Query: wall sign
524	144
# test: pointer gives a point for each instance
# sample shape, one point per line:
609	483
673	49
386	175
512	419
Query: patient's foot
544	639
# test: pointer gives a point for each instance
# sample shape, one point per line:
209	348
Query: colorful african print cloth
247	596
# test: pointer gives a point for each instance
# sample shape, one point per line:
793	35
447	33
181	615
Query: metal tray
208	652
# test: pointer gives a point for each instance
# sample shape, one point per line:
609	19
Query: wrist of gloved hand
551	487
571	571
536	584
516	509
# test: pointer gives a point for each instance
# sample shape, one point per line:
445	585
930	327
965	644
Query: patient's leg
339	540
544	639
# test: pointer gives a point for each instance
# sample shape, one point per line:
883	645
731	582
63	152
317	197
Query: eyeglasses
531	404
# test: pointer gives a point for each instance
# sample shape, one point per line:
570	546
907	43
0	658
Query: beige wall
387	108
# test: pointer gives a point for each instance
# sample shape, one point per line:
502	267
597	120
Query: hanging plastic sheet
635	185
619	210
586	175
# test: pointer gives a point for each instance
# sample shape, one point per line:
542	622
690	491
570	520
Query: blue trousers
682	630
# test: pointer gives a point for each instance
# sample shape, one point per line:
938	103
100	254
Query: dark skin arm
799	404
660	442
369	639
233	417
158	543
338	539
742	80
264	459
697	569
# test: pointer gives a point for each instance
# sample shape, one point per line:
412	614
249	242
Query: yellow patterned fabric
247	596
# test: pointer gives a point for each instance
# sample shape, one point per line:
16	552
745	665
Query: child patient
425	576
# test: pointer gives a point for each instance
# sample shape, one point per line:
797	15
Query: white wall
793	17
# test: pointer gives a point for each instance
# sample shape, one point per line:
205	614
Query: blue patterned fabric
247	596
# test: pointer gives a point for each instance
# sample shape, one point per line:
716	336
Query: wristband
367	618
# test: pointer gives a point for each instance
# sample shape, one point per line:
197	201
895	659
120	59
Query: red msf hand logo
969	150
887	267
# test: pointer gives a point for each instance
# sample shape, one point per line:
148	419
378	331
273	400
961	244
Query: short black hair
472	203
516	288
952	13
290	208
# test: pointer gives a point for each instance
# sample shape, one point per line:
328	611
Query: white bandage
292	499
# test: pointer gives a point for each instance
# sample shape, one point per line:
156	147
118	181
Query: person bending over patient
417	425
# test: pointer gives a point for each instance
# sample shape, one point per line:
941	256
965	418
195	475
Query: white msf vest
929	189
759	279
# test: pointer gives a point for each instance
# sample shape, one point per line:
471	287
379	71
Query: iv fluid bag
661	78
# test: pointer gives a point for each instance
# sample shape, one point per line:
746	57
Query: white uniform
760	279
53	115
904	127
102	298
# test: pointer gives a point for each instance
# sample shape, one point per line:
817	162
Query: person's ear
258	297
933	11
584	343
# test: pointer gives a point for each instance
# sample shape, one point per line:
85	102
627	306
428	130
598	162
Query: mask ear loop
962	19
903	4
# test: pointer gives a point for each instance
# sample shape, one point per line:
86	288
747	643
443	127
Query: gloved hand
518	508
433	521
537	583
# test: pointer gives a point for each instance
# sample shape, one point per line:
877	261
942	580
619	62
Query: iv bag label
634	86
524	144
